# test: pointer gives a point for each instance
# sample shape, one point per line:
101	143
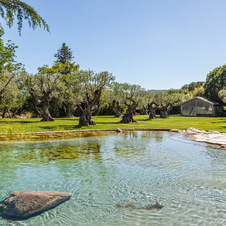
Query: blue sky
158	44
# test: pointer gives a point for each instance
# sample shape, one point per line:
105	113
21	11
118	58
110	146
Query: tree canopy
16	9
215	81
8	65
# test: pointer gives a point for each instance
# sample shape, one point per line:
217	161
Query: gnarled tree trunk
152	107
42	105
165	110
116	109
130	112
92	105
86	118
43	108
128	117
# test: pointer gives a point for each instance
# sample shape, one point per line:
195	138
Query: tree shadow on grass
66	119
104	116
18	121
145	120
98	123
219	122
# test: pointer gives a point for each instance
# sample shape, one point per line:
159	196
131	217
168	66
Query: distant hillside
156	90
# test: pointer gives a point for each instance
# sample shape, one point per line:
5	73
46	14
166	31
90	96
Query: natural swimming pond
133	169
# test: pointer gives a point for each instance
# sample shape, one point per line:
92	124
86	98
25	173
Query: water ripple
133	168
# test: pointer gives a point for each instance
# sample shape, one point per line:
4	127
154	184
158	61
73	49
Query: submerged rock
27	203
148	207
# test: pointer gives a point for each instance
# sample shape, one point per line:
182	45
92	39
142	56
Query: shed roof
201	99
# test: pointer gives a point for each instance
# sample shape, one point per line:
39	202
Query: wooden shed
199	106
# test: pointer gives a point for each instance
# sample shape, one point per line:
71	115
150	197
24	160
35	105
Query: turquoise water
137	168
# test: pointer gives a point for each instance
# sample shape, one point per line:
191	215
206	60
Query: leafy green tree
8	65
10	101
215	81
16	9
7	56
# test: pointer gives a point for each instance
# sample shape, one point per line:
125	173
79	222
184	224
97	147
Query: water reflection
17	155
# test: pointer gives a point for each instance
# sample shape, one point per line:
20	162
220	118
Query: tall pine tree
64	54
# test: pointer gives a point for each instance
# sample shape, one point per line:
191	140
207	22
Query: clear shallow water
138	168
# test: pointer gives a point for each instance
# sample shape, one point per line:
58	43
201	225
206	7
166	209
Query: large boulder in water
28	203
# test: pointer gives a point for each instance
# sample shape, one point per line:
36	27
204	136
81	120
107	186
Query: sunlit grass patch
20	126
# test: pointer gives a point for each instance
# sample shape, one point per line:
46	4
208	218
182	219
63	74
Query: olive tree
167	102
117	98
41	87
131	96
91	88
153	104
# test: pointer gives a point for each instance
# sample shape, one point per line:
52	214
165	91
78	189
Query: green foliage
90	81
7	56
11	9
192	86
42	83
8	67
146	98
135	92
60	68
11	99
173	91
163	99
215	81
197	92
222	95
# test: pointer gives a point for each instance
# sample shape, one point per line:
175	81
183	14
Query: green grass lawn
109	122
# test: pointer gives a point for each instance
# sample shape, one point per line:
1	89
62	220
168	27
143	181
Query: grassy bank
10	126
